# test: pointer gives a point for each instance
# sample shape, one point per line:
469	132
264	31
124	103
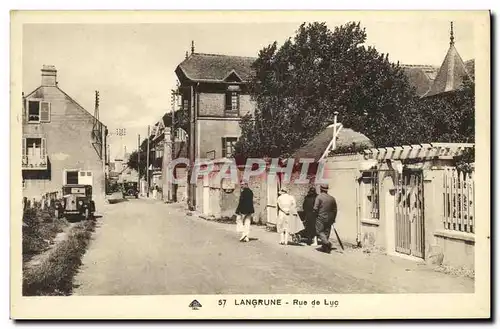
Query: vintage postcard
250	165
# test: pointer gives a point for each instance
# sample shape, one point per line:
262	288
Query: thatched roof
317	146
420	77
216	68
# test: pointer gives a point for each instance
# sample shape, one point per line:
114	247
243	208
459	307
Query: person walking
244	212
287	216
310	216
325	207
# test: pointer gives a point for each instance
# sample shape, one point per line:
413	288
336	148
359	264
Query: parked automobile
76	201
130	189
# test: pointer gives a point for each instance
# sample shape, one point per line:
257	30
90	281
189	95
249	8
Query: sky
132	65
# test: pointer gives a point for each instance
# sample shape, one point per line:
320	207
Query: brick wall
213	104
69	145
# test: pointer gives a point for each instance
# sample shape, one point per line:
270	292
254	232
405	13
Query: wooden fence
458	197
43	201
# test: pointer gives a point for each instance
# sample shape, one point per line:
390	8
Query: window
185	105
38	111
33	111
72	177
228	144
232	101
371	181
34	153
82	173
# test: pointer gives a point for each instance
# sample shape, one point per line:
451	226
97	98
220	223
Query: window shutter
238	101
44	148
223	147
24	147
44	111
228	101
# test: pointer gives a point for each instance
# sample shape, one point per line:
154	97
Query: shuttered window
38	111
44	112
44	148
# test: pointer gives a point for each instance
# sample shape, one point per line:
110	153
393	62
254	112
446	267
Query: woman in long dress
288	219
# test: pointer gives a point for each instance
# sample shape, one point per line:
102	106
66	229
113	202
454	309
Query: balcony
32	162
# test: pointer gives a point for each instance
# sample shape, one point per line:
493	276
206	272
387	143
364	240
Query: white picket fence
458	198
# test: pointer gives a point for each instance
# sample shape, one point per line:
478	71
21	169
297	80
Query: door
410	213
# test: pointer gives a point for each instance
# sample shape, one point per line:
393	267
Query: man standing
310	215
244	211
325	207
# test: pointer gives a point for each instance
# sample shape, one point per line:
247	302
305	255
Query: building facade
215	90
215	93
62	142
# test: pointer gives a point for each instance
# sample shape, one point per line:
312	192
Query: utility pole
147	162
139	161
172	137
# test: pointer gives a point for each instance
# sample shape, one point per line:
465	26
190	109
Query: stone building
62	142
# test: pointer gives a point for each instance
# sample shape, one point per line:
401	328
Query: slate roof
451	73
317	146
216	68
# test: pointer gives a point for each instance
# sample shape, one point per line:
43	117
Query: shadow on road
114	201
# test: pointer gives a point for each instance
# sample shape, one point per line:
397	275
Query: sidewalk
387	273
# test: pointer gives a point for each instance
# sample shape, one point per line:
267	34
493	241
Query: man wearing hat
325	207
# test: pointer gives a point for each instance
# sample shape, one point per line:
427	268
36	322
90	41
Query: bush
54	276
40	227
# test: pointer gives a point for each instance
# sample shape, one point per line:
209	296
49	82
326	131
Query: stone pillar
167	159
433	212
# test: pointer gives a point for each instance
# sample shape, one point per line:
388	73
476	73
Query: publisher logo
195	305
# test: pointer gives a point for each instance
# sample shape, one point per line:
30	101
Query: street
146	247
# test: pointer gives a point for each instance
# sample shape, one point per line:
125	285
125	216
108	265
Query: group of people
319	214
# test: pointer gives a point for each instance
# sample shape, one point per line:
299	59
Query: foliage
40	227
298	87
54	275
465	161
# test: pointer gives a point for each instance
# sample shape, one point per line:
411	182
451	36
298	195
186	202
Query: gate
410	213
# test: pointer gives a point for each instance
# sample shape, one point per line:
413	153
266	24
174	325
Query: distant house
62	142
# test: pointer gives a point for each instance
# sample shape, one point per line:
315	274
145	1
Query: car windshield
74	190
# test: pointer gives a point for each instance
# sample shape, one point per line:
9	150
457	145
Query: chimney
49	76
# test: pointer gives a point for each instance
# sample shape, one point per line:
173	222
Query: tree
298	87
132	160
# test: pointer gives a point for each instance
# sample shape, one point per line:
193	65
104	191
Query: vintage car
76	201
130	189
